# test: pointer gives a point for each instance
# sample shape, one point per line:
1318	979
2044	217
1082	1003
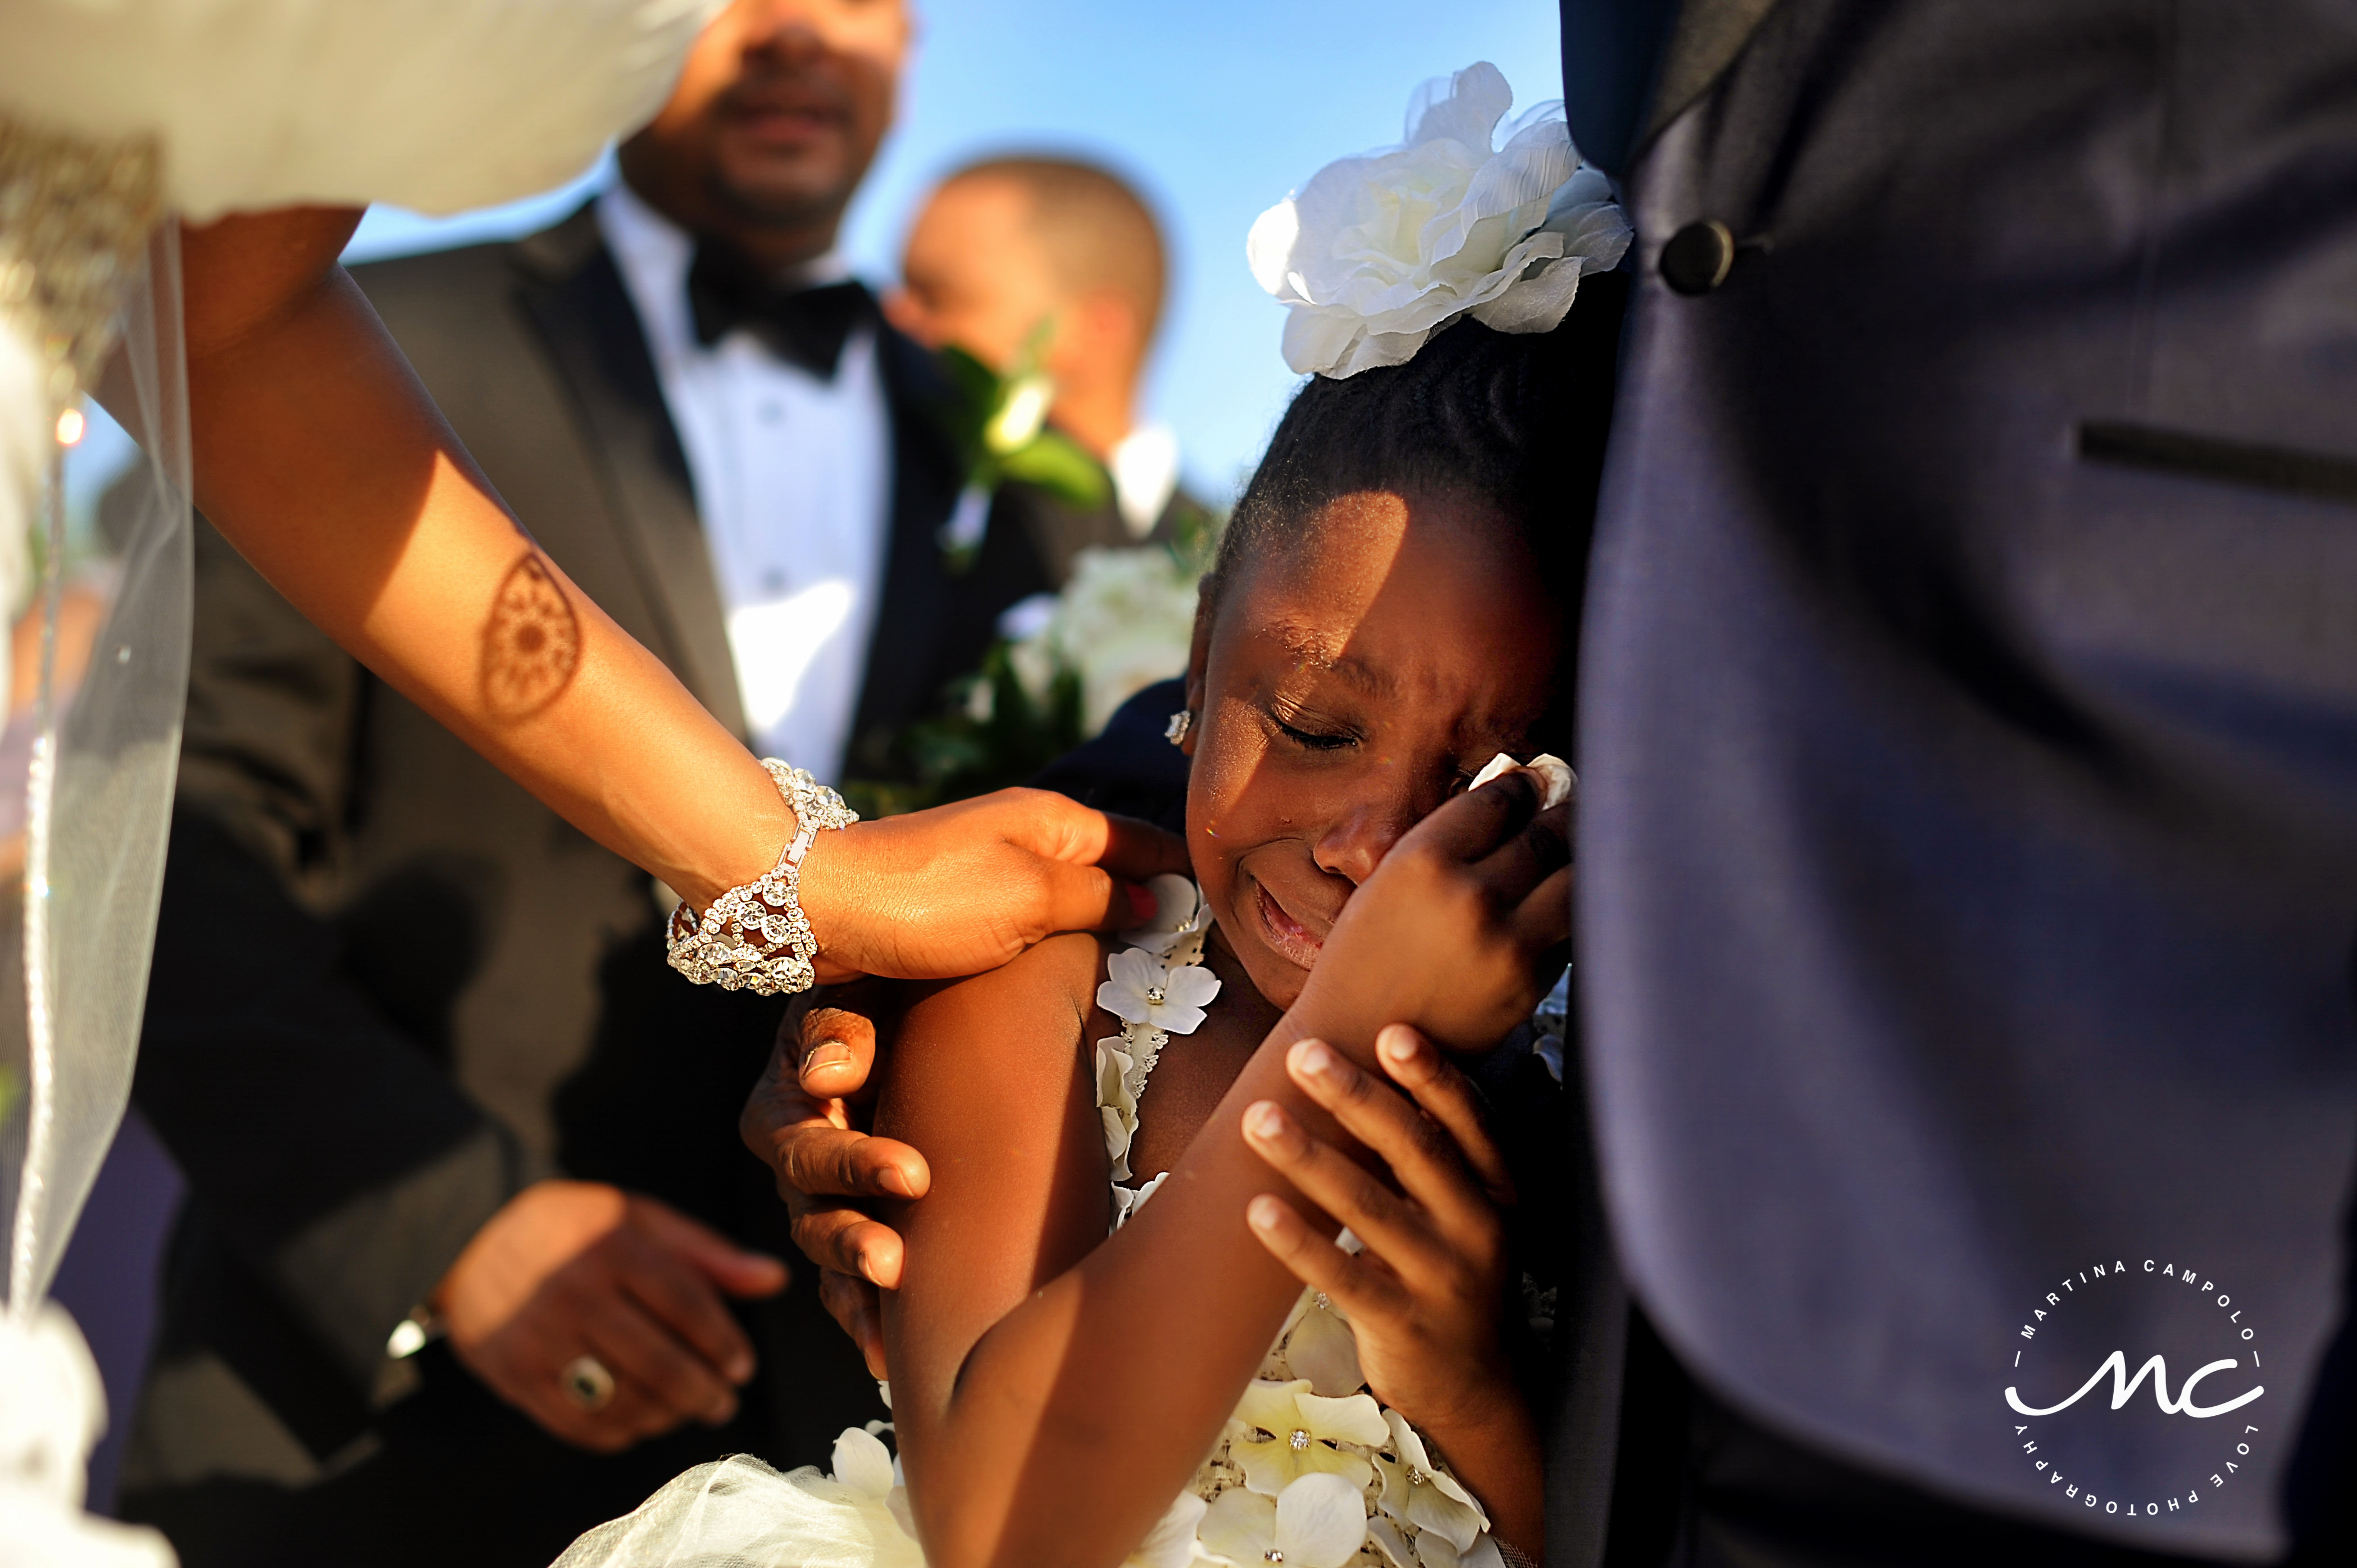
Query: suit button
1699	256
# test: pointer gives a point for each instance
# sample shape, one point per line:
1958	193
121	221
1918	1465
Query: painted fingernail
1263	1120
1264	1213
1142	906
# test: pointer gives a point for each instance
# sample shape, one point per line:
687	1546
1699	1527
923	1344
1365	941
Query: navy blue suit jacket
1968	826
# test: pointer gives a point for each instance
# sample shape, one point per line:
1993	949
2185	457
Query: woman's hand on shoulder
1448	933
965	887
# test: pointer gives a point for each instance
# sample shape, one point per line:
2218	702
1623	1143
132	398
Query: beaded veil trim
74	216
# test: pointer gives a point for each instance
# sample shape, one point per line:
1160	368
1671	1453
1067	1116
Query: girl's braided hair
1516	421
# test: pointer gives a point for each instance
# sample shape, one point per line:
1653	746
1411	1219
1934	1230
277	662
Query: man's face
973	274
778	114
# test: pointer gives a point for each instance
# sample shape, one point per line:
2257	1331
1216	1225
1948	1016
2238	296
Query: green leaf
975	391
1057	464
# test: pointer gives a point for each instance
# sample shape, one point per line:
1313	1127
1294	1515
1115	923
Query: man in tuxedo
471	1259
1059	264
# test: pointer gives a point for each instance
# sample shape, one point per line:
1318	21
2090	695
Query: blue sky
1217	108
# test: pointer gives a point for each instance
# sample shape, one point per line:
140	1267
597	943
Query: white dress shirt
793	482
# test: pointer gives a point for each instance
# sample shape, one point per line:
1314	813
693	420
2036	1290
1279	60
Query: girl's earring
1180	722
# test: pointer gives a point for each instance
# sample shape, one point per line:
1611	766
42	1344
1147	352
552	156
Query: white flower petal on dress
1385	1538
1484	1553
1239	1528
1171	1542
1353	1418
1376	252
1129	975
1420	1492
1116	1132
1139	988
1323	1349
1179	1020
1176	902
1321	1521
52	1408
863	1464
1290	1410
1433	1550
906	1517
1191	986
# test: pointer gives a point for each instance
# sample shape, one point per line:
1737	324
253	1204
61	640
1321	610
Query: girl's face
1341	692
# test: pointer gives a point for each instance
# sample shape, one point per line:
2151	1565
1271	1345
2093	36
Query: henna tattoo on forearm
532	645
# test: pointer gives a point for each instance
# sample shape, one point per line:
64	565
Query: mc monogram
2116	1365
2135	1459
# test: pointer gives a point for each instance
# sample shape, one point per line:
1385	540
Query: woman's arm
321	457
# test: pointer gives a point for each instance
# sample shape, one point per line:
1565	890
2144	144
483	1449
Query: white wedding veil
113	118
105	748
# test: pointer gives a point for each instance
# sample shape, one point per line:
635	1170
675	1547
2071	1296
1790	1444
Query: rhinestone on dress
1299	1439
1154	994
1417	1477
1272	1555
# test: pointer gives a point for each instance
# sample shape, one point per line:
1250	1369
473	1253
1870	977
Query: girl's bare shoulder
1027	1013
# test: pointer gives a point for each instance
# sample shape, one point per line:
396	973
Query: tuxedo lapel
1629	65
914	612
1709	34
574	294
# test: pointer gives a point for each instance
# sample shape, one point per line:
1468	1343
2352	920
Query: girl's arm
1050	1399
1054	1390
321	457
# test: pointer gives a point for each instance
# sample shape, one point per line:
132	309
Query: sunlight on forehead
1316	649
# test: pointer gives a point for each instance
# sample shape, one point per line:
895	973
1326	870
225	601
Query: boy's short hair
1095	229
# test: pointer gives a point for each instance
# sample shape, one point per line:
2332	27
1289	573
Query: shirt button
1699	256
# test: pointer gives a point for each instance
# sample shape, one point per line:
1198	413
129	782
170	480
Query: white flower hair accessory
1379	251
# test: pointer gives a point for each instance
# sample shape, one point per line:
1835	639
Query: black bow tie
805	326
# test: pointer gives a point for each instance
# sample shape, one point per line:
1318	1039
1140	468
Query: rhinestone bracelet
755	937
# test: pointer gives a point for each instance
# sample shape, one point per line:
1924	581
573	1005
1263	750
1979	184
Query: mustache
787	88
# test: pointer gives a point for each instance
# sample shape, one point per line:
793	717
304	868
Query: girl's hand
1447	934
1426	1296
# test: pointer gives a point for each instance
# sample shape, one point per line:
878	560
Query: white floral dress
1311	1471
